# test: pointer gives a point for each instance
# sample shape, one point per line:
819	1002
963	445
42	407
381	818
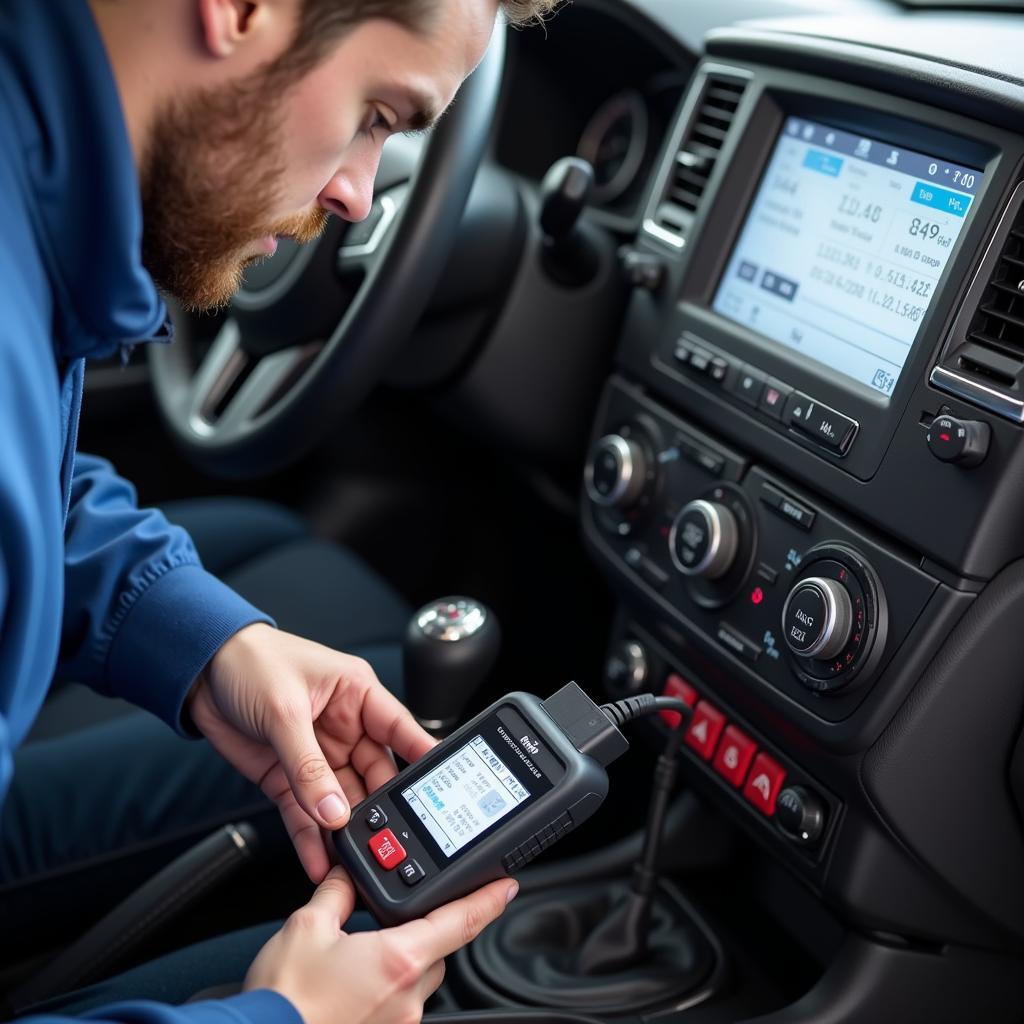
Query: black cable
630	708
645	871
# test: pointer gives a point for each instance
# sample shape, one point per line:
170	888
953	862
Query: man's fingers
373	763
335	897
450	927
311	778
389	722
431	980
307	838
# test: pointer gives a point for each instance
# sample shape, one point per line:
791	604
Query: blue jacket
91	587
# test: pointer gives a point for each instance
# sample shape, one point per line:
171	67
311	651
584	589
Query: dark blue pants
101	799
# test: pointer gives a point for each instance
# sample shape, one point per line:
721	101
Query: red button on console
734	754
763	783
677	686
387	849
704	729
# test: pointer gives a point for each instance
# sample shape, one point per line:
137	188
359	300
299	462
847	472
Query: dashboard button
627	666
961	441
703	539
773	398
719	369
818	620
700	360
683	351
677	686
748	385
733	756
789	509
822	423
705	727
648	569
738	643
800	814
763	783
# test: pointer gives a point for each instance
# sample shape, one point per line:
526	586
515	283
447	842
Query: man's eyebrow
425	113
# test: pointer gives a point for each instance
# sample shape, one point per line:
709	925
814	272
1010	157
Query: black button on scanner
375	817
410	871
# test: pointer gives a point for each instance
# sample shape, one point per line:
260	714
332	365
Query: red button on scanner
704	729
763	783
734	754
677	686
387	849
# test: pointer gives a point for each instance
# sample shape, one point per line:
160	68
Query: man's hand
381	977
310	726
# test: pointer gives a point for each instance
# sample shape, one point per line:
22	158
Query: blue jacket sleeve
141	615
261	1006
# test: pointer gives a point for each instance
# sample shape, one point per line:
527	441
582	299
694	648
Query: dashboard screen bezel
772	96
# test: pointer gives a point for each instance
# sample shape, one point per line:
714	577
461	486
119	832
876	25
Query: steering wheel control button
706	725
963	442
737	643
387	849
764	783
798	514
733	756
773	398
748	385
615	472
677	686
410	872
703	539
819	422
800	814
376	818
817	619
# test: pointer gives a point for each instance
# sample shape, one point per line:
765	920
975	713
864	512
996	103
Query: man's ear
225	24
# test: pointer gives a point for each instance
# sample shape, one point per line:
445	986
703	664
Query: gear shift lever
450	646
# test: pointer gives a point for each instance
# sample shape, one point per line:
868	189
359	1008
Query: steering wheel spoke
362	245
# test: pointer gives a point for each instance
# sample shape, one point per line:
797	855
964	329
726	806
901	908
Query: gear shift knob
450	646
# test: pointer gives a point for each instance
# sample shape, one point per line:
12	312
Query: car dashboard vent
983	361
695	159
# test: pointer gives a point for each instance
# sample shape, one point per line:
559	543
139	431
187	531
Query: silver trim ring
838	616
620	447
722	546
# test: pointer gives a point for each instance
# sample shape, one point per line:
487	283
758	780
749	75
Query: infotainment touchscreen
843	247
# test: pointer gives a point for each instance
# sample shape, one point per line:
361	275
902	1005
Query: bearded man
168	144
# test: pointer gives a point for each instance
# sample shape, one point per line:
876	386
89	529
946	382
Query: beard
213	166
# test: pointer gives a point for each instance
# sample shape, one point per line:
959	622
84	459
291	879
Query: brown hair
321	22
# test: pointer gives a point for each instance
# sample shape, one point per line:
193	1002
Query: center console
805	484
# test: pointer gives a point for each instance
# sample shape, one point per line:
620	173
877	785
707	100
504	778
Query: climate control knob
704	539
616	472
817	619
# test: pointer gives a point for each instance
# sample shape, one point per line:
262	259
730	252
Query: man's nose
349	193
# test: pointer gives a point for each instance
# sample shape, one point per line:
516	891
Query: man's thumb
313	782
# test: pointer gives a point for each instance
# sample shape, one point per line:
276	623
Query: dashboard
805	473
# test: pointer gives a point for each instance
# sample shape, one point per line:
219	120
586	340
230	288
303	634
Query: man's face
228	171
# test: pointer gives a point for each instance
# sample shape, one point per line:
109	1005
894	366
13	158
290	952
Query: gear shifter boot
583	947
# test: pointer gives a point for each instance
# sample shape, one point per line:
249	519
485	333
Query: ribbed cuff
173	629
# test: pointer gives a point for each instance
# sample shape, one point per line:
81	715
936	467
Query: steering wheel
313	328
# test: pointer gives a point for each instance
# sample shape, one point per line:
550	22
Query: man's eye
376	120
